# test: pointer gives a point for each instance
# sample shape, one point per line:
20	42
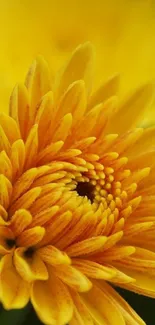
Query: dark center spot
10	243
85	189
29	252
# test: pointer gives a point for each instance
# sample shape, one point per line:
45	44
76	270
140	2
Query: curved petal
14	291
31	237
144	284
87	247
94	270
102	309
129	315
74	278
132	110
31	267
52	301
78	67
20	220
53	256
37	83
81	314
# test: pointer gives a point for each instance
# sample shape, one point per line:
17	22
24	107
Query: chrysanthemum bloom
77	195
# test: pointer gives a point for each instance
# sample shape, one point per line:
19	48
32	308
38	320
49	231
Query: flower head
76	196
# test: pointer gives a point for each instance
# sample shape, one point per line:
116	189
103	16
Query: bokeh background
123	34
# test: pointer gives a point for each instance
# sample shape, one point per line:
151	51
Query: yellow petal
26	200
72	277
73	101
79	67
31	237
20	109
63	128
77	230
29	268
23	183
90	119
121	278
5	191
142	161
20	220
46	201
142	260
118	252
37	83
144	144
144	284
127	312
81	314
14	290
43	302
87	247
132	110
44	216
105	91
102	309
56	228
45	114
8	123
53	256
112	240
52	302
17	158
63	299
31	147
46	155
127	140
136	229
4	142
5	165
93	269
3	213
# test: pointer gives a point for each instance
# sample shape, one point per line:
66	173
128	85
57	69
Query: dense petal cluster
77	196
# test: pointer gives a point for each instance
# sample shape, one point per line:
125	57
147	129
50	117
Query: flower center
86	189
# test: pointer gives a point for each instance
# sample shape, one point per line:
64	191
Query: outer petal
37	83
144	284
81	313
31	237
53	256
20	220
132	110
14	291
102	309
105	91
78	67
30	268
52	301
73	277
87	247
94	270
130	316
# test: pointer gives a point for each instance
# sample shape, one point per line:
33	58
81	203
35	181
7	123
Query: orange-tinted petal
30	268
14	291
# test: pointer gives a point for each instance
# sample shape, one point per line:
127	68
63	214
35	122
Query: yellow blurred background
123	33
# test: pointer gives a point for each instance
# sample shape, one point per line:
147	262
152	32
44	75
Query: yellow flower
77	196
122	32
